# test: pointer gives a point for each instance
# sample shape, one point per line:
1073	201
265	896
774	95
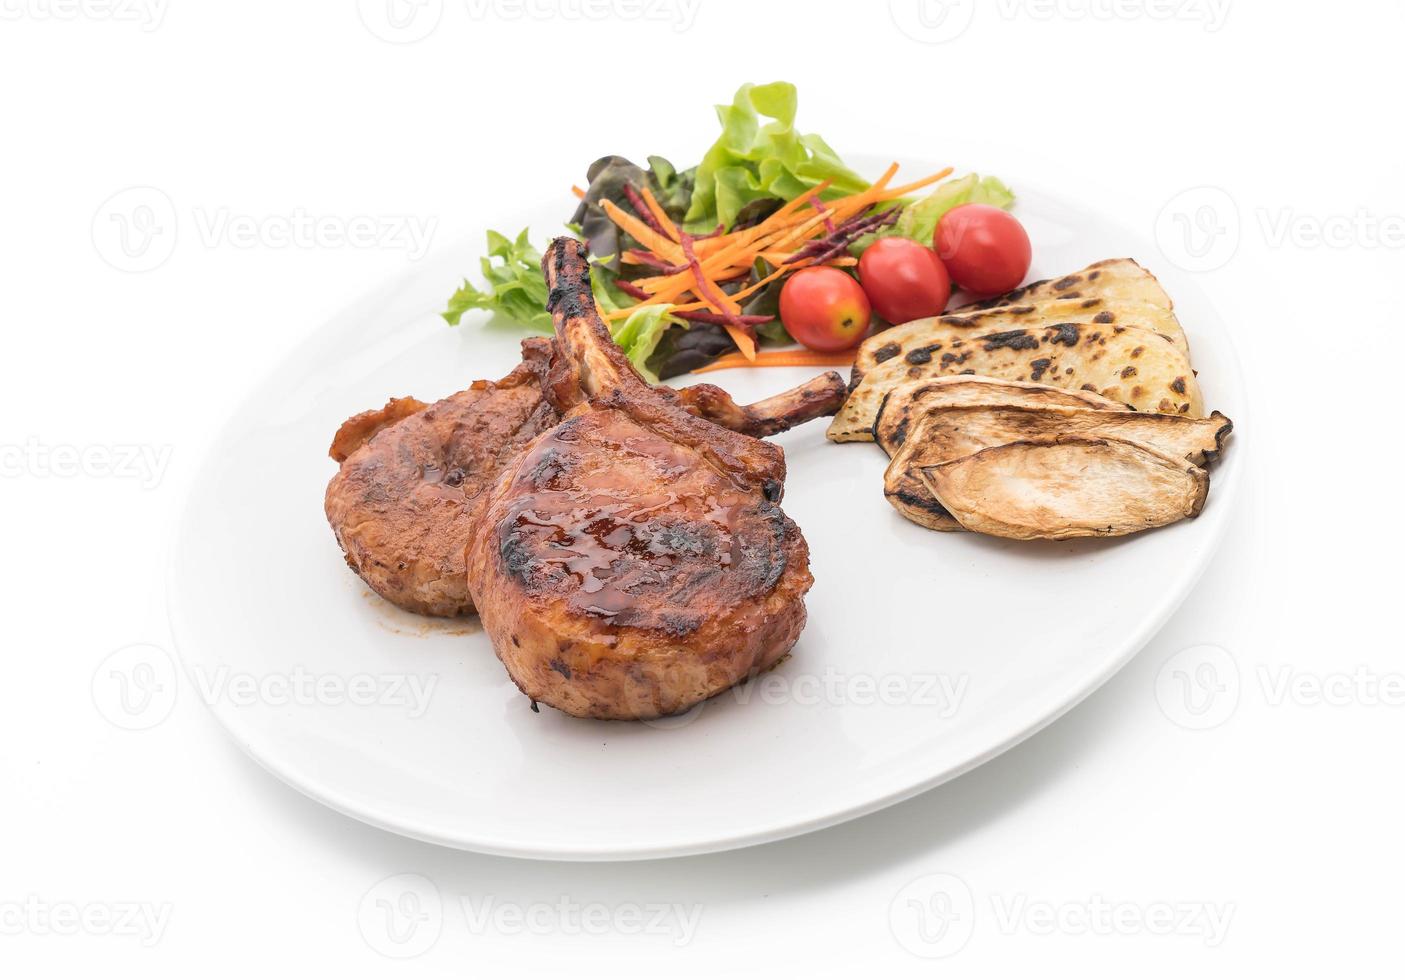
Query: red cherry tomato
825	309
985	249
904	280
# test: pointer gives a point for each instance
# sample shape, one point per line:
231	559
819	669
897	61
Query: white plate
858	718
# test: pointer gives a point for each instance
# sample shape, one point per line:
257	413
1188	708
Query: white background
1285	817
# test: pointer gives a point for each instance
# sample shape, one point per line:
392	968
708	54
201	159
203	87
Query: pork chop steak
401	504
634	559
411	474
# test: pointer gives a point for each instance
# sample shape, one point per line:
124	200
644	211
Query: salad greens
608	178
640	333
752	162
758	161
516	286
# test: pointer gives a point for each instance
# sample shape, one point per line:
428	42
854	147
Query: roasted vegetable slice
944	434
912	400
1067	487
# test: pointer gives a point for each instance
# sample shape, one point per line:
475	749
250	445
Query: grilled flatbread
915	338
1110	279
1126	364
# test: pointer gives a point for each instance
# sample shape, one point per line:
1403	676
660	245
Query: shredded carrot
659	214
649	238
744	343
578	192
686	271
720	302
916	185
790	357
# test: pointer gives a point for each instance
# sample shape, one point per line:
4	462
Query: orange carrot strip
906	189
740	333
661	216
578	192
743	340
646	236
790	357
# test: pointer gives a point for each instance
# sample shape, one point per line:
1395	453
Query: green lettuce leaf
752	161
919	221
515	288
640	333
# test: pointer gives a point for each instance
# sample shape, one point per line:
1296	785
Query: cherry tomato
825	309
904	280
985	249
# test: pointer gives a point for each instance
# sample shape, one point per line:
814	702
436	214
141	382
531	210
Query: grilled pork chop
634	559
402	503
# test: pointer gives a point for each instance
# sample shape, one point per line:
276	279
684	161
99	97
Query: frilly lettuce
752	161
516	287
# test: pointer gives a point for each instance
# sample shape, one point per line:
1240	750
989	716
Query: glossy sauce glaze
630	528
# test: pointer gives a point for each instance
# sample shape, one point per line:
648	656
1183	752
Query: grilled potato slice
1126	364
945	434
1067	487
912	400
1110	279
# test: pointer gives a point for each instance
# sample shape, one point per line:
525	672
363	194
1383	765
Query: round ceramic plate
925	654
